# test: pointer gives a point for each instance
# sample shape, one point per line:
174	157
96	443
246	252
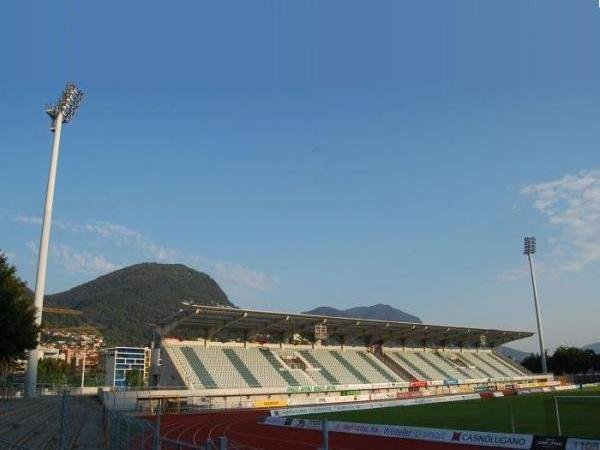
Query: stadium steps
488	365
183	367
313	362
349	367
414	368
510	363
201	372
241	368
434	366
285	374
396	367
476	368
377	367
455	366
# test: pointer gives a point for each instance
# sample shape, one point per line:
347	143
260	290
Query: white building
120	360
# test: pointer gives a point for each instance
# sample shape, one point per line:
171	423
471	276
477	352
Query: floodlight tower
529	249
61	112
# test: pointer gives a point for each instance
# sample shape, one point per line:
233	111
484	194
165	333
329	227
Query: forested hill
124	304
377	312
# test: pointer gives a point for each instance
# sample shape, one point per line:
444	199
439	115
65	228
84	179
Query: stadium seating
235	366
442	365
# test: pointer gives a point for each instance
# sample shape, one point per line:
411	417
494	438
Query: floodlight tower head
67	104
529	246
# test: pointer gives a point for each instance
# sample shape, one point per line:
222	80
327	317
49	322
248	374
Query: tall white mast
529	249
61	112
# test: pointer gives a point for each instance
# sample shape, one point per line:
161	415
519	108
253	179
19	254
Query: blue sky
317	153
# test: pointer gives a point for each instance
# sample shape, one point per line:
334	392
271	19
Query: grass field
531	413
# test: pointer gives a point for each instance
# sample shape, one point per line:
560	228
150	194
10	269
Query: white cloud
76	262
142	246
27	220
571	206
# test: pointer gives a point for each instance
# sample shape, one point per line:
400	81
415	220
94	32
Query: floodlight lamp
529	246
67	104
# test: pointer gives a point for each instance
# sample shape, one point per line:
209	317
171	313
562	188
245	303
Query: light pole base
31	374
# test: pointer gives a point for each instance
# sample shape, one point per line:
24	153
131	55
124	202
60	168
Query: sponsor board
582	444
269	403
566	387
420	383
450	382
479	438
548	443
300	411
310	388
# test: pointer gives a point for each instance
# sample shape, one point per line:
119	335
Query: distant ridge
124	304
513	353
595	346
376	312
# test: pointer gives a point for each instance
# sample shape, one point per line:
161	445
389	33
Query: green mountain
124	304
377	312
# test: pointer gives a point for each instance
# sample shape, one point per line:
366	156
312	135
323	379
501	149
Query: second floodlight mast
529	249
61	112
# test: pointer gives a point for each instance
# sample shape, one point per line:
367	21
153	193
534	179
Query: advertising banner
549	443
269	403
582	444
302	410
479	438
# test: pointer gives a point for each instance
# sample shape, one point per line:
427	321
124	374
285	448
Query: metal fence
50	420
129	432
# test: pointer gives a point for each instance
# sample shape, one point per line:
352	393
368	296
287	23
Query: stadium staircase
512	364
205	379
278	366
497	371
372	361
241	367
349	367
183	368
479	371
397	368
428	359
478	365
418	373
455	365
322	370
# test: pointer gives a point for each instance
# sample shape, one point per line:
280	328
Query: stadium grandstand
233	357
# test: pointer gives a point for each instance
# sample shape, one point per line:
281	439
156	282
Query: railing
10	446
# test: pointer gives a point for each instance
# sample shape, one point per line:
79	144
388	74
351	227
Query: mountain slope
595	346
513	353
124	304
378	312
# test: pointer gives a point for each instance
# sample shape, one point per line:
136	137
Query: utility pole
529	249
83	368
61	112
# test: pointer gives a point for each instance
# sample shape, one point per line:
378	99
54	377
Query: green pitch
531	413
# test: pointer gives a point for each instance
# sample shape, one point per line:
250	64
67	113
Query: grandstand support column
529	250
155	357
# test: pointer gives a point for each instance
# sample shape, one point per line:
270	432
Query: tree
55	371
565	360
533	363
18	331
134	379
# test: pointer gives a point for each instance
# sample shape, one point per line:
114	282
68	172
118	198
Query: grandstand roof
221	323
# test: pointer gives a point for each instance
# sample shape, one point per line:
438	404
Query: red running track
243	427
